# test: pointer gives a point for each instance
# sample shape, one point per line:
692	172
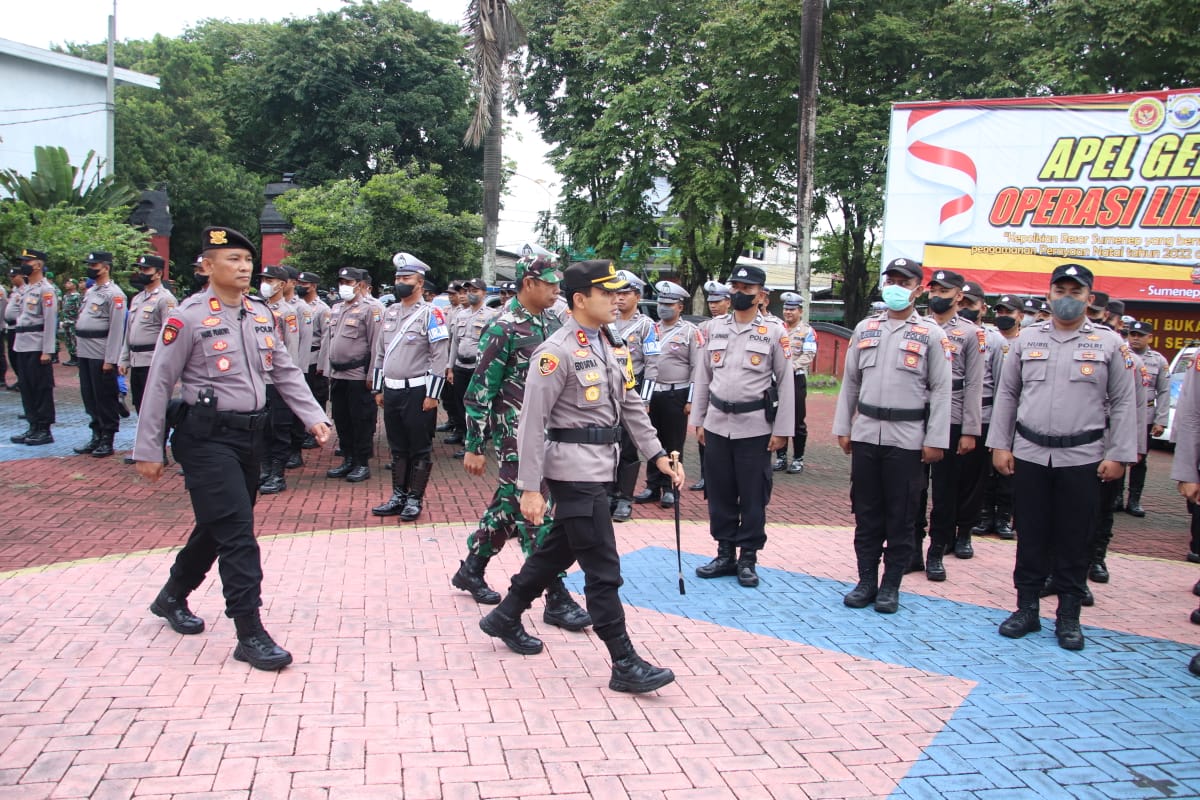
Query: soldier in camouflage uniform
493	402
71	303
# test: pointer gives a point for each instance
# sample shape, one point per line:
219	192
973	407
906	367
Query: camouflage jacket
71	303
497	389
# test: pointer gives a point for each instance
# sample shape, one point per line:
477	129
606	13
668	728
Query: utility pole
110	97
810	51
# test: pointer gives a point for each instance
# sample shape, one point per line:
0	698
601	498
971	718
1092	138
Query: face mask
475	298
140	280
940	305
93	272
742	302
268	290
969	314
1006	323
897	298
403	290
1028	320
302	292
346	292
25	270
199	282
1067	309
667	313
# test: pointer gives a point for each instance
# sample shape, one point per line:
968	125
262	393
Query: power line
47	119
51	108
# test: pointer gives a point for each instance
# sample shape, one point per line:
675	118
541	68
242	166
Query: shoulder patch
171	330
982	337
549	362
48	299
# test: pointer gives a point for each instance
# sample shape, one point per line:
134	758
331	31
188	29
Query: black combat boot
1025	619
309	443
863	594
342	470
275	482
630	672
395	504
1098	570
90	447
359	472
256	647
561	609
627	476
647	495
1066	627
1194	665
509	630
171	605
780	462
935	570
962	544
41	435
295	460
469	578
1134	507
418	479
724	564
746	574
20	438
1004	528
888	599
986	524
104	447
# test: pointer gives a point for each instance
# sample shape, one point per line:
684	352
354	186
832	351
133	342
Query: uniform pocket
912	356
758	355
716	353
1088	366
1034	365
223	357
591	383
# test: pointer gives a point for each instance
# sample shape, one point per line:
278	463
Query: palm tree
494	34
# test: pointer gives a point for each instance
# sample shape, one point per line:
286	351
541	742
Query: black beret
218	238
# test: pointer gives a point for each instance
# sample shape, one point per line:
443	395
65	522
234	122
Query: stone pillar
153	215
274	228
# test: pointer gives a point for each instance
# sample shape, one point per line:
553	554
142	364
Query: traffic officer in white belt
742	408
637	331
802	344
579	396
36	343
893	416
1158	401
671	358
716	294
1064	421
100	333
220	346
408	371
347	350
148	312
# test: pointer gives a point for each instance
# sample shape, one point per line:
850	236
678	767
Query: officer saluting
1051	432
893	415
578	397
100	334
220	346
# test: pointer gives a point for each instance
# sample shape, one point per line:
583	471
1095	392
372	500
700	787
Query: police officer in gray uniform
286	322
1009	312
671	358
465	332
220	346
716	294
347	350
1158	402
148	312
12	311
36	343
579	395
742	408
318	309
100	332
1064	421
408	369
1185	469
893	416
637	330
976	479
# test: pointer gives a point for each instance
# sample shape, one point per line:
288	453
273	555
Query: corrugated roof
81	65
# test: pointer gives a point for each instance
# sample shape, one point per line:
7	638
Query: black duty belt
1074	440
27	329
142	348
315	348
987	401
893	414
592	435
91	334
470	360
346	366
239	421
958	383
736	408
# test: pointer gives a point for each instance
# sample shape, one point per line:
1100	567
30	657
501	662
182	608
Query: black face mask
742	302
403	290
199	282
302	292
25	269
940	305
140	280
93	272
969	314
1006	323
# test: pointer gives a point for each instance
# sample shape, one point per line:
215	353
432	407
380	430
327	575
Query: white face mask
268	290
346	292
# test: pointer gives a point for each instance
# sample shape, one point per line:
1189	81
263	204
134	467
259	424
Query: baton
678	536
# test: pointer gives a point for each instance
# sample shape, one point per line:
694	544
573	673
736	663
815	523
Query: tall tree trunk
492	156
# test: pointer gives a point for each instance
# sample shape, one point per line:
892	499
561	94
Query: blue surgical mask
897	298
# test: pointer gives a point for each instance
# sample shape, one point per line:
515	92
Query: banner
1004	190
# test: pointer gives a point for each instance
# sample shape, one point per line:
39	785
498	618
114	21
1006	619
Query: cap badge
218	237
940	275
742	273
1071	271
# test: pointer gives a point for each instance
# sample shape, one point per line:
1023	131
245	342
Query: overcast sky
46	22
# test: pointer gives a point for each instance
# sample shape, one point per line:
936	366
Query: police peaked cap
29	254
669	292
792	299
98	257
906	267
274	272
154	262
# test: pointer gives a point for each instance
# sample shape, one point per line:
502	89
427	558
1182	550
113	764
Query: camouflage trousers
67	335
502	520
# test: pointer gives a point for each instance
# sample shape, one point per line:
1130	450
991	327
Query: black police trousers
409	429
221	475
885	488
37	387
318	385
137	386
1055	511
452	398
582	532
354	416
668	419
98	390
279	431
737	474
952	480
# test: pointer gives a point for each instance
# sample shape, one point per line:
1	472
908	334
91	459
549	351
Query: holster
203	414
771	401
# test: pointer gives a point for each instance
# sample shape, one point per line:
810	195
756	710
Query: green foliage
69	235
344	224
55	182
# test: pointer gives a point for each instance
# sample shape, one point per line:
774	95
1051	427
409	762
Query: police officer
409	365
893	416
455	423
12	312
36	342
1064	416
671	357
148	311
347	350
3	337
493	404
802	344
716	294
100	330
637	330
304	327
995	514
743	409
317	314
220	346
468	327
1158	402
274	288
578	397
1185	468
